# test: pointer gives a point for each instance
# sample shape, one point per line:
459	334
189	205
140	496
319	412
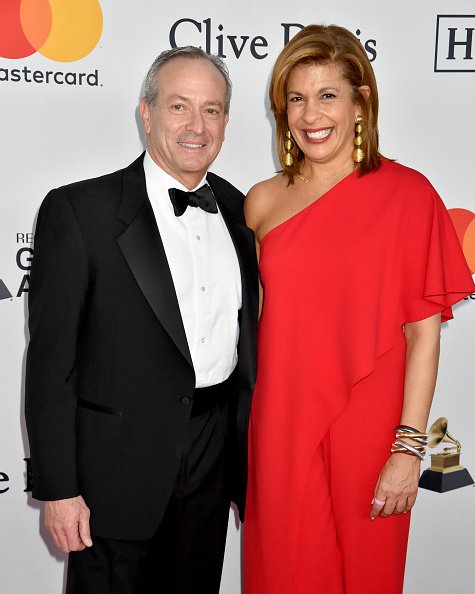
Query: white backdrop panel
53	134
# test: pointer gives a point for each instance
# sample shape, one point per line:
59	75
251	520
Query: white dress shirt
205	272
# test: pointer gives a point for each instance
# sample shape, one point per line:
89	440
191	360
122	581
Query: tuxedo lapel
244	243
230	205
143	249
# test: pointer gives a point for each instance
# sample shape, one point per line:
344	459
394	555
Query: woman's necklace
328	178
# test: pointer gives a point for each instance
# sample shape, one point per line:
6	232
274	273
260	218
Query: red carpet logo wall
464	223
60	30
23	258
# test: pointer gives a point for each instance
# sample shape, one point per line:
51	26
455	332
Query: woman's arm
398	482
254	213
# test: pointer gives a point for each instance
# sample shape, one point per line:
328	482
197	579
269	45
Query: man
141	362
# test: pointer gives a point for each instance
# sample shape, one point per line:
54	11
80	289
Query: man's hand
67	521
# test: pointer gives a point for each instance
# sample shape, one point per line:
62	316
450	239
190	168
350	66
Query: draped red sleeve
436	275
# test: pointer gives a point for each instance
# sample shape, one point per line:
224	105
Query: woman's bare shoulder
267	187
261	198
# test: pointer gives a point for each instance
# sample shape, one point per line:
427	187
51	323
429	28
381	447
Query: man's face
185	127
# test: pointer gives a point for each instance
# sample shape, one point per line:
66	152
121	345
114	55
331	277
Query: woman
359	264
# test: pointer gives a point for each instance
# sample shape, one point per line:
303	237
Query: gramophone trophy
445	473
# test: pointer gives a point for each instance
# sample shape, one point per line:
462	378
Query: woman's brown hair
321	44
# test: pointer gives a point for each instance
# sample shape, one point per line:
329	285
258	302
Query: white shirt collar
161	180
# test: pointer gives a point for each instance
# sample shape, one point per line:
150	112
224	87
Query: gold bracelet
402	447
404	431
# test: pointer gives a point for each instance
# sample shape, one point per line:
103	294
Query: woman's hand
396	489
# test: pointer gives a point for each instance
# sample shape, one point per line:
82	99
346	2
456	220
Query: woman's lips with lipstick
319	135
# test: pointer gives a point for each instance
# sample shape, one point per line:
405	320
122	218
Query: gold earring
358	153
288	146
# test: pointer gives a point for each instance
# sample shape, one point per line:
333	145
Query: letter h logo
455	43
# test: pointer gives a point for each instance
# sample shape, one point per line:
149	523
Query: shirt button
203	340
185	401
203	289
197	237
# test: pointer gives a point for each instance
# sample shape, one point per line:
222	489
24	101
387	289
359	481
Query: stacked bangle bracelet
403	447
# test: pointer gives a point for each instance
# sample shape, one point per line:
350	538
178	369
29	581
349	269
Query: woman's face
321	113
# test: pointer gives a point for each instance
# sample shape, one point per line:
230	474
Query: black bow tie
202	197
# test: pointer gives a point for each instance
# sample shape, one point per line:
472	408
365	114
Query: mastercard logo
60	30
464	223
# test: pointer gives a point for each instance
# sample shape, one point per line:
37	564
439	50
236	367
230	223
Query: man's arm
58	288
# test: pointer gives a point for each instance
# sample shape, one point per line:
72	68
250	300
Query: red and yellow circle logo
464	223
60	30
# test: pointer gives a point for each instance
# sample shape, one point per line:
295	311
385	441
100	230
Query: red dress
340	280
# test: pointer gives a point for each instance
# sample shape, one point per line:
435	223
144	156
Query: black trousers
185	556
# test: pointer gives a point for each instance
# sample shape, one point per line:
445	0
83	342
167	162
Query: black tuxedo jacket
109	373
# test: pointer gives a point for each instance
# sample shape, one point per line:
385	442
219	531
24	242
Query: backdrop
70	78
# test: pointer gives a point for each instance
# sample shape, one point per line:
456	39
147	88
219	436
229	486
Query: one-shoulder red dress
341	278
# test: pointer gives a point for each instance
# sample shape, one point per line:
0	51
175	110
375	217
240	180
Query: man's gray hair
192	53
